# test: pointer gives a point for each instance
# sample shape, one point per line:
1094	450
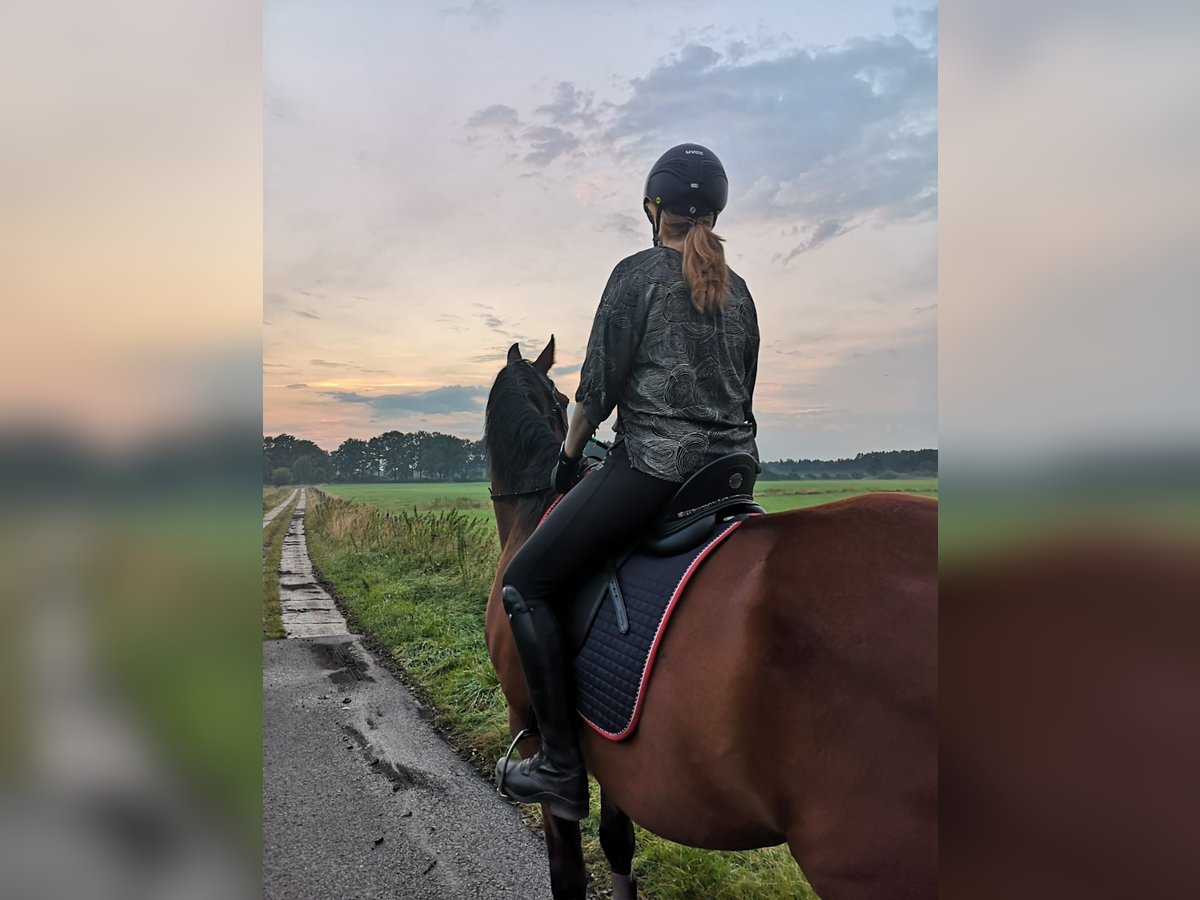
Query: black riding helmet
687	180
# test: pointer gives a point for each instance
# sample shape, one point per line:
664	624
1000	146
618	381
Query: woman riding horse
674	349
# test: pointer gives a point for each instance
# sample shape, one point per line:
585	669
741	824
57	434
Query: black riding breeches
597	519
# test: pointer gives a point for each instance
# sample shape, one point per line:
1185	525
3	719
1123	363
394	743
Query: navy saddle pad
613	668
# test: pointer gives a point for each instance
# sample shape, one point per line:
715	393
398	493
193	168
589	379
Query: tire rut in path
270	517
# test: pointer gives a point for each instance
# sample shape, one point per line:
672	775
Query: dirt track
362	799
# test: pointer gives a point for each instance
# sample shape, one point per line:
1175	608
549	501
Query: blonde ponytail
704	267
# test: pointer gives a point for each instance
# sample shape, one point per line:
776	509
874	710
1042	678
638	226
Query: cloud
451	399
823	233
296	387
623	223
824	134
498	116
484	13
570	106
921	24
547	143
307	315
825	138
325	364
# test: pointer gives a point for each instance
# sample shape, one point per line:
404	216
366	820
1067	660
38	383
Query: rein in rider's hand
570	467
566	471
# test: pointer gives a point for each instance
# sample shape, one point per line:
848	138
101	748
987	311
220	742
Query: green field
472	498
413	564
467	497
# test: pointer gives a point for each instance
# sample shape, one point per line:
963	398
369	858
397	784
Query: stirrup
521	735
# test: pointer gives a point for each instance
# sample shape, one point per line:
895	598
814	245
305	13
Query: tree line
876	464
398	456
392	456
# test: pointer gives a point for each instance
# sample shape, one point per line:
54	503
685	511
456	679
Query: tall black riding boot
555	775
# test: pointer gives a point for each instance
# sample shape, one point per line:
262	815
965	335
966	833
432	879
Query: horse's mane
521	446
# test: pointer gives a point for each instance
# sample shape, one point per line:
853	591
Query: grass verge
417	584
273	496
273	534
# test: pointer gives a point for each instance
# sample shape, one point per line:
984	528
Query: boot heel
565	809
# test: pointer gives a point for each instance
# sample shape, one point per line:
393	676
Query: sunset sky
441	181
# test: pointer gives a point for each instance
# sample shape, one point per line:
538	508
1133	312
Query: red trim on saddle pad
662	627
553	503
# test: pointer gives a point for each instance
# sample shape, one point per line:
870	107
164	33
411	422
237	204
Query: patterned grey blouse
682	381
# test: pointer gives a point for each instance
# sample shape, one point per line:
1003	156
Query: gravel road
362	799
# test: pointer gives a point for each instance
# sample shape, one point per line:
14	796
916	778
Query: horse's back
875	522
849	587
800	662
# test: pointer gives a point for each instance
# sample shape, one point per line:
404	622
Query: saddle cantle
621	610
722	488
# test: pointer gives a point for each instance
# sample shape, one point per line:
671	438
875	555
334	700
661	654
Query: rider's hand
568	471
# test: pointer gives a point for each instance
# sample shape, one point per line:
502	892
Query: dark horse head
525	424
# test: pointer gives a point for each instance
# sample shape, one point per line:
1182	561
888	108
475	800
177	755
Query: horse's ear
514	353
546	358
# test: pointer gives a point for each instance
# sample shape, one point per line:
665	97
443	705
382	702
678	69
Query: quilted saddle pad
612	669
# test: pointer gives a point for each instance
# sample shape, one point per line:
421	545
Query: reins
529	493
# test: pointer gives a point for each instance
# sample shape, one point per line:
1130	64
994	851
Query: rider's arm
611	346
578	433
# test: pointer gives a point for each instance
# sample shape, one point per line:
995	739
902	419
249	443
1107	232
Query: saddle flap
588	596
692	532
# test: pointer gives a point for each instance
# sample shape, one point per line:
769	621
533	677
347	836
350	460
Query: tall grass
417	583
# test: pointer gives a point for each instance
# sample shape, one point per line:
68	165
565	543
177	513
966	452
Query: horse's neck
513	537
506	520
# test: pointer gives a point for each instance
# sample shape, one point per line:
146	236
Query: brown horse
794	696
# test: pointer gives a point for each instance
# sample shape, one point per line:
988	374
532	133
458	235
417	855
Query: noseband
558	417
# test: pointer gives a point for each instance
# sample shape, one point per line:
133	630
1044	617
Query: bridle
557	417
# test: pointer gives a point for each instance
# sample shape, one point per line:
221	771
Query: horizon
762	458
